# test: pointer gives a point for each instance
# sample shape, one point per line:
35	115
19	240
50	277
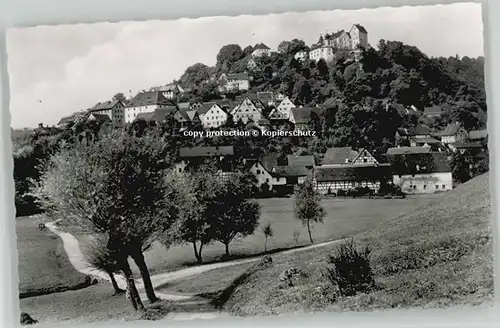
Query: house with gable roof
236	81
453	133
247	111
187	118
192	157
301	117
344	168
212	115
113	108
147	102
261	50
418	170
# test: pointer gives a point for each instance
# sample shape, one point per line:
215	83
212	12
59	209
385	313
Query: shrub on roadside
349	269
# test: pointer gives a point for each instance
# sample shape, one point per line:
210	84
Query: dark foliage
349	269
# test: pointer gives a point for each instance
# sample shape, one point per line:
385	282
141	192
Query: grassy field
345	217
91	304
437	255
43	264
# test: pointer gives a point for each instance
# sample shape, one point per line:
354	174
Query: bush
350	269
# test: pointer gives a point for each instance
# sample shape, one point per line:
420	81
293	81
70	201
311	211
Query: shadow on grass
219	299
59	289
244	256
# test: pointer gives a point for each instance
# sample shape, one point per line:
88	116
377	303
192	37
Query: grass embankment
437	255
44	267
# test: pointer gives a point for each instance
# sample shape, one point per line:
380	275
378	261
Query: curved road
77	259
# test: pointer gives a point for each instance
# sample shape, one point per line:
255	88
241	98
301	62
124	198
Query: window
414	187
425	187
437	187
365	160
267	180
443	186
258	171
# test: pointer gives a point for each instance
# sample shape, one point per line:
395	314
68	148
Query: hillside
437	255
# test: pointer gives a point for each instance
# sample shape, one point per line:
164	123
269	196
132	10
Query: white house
341	156
359	37
285	106
251	64
147	102
301	55
261	50
237	81
212	115
453	133
246	111
322	52
421	172
113	109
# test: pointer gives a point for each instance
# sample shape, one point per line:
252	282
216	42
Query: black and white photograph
329	161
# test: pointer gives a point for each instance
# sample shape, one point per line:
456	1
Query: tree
308	206
194	201
233	216
120	97
229	54
100	257
268	232
115	186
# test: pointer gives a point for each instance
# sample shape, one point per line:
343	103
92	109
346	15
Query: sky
57	70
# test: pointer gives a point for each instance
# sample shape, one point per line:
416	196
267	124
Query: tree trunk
138	258
197	252
227	249
265	246
309	231
134	294
117	289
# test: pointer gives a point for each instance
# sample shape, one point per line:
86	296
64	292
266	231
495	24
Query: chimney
40	125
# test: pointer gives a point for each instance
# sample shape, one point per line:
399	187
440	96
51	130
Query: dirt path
77	259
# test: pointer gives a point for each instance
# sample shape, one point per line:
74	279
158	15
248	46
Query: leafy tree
228	55
268	232
195	192
308	207
115	186
233	216
120	97
100	257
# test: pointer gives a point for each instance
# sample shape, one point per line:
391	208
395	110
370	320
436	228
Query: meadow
345	217
43	265
437	255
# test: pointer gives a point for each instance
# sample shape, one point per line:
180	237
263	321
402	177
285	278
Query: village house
247	111
453	133
359	37
279	97
252	64
212	115
261	50
332	179
192	157
302	117
478	136
187	118
265	172
419	136
276	118
301	55
266	97
420	171
147	102
433	111
231	82
70	120
285	106
113	108
169	91
322	52
158	115
341	156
